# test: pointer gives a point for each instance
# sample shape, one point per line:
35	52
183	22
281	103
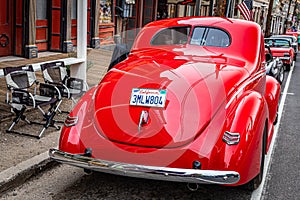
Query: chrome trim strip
257	76
148	172
284	58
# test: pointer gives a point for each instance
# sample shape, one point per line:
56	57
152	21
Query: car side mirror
268	57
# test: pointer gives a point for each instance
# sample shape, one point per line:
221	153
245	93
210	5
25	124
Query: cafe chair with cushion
56	73
24	91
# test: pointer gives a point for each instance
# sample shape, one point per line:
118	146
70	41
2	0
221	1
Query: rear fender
272	96
70	136
248	118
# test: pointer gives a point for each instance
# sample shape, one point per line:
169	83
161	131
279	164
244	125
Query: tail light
71	121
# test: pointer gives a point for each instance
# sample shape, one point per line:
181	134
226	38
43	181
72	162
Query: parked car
293	41
293	33
282	49
191	103
274	66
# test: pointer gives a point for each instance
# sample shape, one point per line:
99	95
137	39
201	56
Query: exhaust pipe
88	153
192	186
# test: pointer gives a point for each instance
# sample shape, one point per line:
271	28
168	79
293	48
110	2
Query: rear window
171	36
277	43
209	36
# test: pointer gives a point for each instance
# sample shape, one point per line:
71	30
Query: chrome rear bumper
284	58
148	172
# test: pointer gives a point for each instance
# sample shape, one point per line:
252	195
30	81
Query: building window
74	9
105	11
41	9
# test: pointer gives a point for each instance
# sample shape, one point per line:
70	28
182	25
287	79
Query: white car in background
274	65
293	41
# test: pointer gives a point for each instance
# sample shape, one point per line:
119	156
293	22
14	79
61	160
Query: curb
17	175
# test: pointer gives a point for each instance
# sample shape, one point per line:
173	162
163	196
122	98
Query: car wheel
276	119
280	76
288	67
256	181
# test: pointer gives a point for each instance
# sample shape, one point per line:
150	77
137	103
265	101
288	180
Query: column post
95	11
79	70
31	50
67	25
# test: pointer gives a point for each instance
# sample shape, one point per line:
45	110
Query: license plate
148	97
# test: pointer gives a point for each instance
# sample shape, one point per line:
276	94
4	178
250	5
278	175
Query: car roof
284	36
238	29
246	36
194	21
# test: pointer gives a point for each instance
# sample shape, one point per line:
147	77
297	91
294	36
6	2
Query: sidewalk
22	157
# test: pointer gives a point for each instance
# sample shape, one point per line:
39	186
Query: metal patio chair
70	87
24	91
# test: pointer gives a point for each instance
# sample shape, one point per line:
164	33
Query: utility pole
287	17
295	13
269	18
211	7
198	6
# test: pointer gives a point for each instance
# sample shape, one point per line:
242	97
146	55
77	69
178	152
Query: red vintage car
191	103
282	49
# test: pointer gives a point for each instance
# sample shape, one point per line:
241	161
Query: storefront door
55	27
6	33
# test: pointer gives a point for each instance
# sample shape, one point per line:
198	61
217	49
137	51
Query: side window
207	36
269	42
198	35
171	36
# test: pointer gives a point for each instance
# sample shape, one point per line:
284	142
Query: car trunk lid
194	91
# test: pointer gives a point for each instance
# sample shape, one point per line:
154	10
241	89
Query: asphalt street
283	181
